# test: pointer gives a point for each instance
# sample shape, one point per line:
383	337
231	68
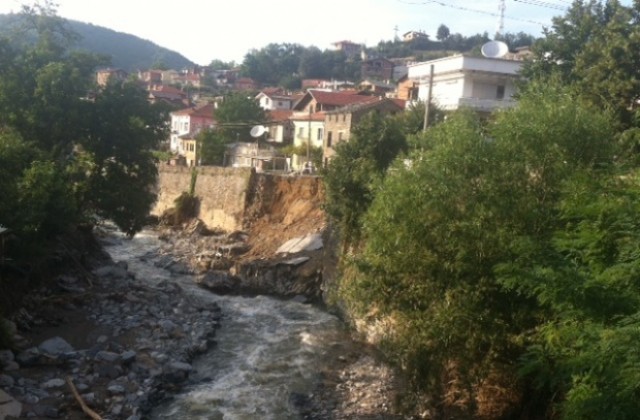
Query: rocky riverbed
123	343
126	343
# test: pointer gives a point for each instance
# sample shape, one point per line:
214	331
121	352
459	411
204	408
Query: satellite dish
494	49
257	130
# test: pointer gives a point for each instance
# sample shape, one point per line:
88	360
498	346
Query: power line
542	4
467	9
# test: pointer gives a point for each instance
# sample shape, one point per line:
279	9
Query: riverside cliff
259	214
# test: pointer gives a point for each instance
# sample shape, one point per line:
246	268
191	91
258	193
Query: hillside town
323	112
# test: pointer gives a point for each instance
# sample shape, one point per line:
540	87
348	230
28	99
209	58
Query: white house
480	83
272	99
308	129
187	122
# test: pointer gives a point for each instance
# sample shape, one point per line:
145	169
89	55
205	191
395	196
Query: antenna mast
501	8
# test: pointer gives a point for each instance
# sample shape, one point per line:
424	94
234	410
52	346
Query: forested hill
126	51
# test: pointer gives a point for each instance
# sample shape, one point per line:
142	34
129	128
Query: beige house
339	123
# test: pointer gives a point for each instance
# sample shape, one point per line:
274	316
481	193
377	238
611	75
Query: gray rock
53	383
176	371
219	282
116	389
6	381
9	407
111	271
55	346
6	357
29	357
167	325
128	357
107	356
116	410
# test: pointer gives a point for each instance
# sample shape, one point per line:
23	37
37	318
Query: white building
480	83
272	100
188	122
308	129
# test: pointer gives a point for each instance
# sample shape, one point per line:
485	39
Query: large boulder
219	282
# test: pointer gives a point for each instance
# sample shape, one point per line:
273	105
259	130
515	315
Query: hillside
128	52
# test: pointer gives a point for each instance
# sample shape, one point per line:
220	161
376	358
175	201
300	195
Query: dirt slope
282	208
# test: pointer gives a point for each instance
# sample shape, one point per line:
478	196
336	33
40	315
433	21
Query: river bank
129	343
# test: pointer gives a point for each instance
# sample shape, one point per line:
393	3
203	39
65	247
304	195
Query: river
270	353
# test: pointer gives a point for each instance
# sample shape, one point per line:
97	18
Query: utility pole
309	139
501	8
427	105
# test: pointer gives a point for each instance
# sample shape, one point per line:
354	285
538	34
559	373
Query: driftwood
89	412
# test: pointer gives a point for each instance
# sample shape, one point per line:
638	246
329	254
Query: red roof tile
280	114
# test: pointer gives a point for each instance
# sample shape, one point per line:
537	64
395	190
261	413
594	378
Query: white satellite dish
257	130
494	49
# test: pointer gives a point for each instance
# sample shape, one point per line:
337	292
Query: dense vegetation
124	51
69	153
501	255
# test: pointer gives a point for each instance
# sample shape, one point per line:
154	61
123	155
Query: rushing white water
267	350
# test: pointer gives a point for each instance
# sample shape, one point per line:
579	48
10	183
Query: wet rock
29	357
219	282
107	356
6	357
53	383
55	346
6	381
176	372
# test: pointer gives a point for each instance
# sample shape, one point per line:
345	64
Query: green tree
237	114
213	146
272	63
82	151
462	246
358	167
594	48
443	32
121	136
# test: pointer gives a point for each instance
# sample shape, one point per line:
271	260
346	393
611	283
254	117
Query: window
300	132
344	117
329	138
319	136
340	136
185	126
500	92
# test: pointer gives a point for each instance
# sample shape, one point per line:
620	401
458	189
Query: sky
203	30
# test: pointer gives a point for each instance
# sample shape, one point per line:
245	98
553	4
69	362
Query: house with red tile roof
168	94
187	123
320	100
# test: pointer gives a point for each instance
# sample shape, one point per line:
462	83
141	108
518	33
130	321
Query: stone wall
222	193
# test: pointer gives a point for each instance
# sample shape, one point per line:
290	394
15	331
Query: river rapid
270	358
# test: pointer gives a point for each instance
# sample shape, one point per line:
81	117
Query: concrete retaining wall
222	193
